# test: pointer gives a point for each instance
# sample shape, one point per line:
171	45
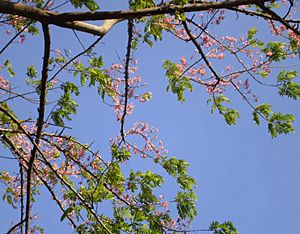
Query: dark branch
40	123
128	58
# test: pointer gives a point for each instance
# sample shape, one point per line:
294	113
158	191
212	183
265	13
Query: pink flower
221	56
269	54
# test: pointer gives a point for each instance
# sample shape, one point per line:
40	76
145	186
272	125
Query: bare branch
70	19
40	122
128	58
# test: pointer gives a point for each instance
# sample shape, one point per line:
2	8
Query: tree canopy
48	156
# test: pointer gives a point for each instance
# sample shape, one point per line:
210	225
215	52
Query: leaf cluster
223	228
286	85
278	123
230	115
177	83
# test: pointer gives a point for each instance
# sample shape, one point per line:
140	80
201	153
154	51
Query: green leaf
178	83
90	4
230	115
31	72
286	86
66	212
265	110
281	124
263	74
277	123
255	117
223	228
186	204
121	155
9	199
251	33
9	68
277	49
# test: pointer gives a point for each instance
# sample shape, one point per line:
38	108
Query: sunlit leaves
186	204
120	155
66	105
281	123
95	76
278	123
10	196
31	72
147	96
178	169
4	119
33	30
251	33
177	83
276	50
9	68
295	48
90	4
141	4
223	228
153	28
66	213
230	115
287	87
115	177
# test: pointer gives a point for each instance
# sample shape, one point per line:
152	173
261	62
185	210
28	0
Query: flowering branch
126	76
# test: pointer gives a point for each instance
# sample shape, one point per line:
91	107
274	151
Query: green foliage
186	204
153	28
277	49
251	33
95	76
141	4
31	72
177	82
277	122
273	5
280	124
90	4
120	155
223	228
9	68
294	47
10	196
263	74
115	177
4	119
287	87
178	169
230	115
66	213
33	30
66	105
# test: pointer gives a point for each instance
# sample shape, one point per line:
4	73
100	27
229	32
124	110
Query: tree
76	176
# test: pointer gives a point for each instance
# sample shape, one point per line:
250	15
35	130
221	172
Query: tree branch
126	76
40	123
278	18
70	19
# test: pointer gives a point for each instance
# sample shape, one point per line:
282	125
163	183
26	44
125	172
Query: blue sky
242	173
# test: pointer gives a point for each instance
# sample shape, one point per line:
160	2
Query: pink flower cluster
4	85
119	88
152	147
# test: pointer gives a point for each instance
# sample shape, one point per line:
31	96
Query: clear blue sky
242	173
